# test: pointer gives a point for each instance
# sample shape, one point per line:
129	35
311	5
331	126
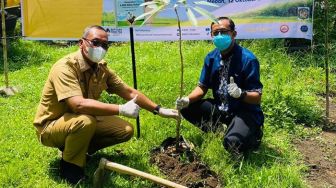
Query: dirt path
320	155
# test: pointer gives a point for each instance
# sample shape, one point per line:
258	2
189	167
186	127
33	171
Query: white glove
182	103
168	113
130	109
233	89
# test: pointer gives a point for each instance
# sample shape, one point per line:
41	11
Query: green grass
26	163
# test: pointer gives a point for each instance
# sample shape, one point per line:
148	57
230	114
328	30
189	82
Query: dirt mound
183	166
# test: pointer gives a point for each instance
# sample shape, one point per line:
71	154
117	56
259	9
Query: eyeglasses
221	31
98	43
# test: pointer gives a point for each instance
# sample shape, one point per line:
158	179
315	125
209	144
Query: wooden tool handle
131	171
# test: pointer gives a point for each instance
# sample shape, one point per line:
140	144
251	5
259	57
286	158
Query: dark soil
183	166
320	157
320	154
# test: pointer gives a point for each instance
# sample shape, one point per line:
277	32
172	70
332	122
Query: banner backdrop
66	20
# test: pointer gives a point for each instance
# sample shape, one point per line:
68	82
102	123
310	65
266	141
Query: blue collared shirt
243	66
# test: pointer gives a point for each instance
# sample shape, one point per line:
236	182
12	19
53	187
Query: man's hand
130	109
168	113
233	89
182	103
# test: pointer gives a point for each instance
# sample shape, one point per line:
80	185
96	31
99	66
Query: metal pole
4	42
134	74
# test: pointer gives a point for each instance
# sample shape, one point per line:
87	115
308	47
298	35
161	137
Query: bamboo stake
6	91
312	41
326	11
4	42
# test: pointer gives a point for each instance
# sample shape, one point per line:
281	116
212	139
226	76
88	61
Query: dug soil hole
183	166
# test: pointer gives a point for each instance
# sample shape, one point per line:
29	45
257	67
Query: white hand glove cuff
182	103
168	113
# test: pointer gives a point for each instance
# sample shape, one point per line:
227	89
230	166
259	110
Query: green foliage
289	95
324	20
271	166
289	99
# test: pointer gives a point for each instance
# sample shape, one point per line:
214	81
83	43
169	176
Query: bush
289	94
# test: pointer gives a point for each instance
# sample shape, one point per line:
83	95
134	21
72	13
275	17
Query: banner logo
284	28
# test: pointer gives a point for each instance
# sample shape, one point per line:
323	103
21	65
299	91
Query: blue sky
108	5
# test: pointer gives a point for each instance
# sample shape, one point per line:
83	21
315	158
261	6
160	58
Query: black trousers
243	132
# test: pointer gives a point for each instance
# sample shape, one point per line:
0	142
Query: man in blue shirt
232	72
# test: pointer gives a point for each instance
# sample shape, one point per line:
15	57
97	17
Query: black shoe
71	172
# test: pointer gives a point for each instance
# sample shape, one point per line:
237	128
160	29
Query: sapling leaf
145	14
205	3
205	13
151	13
148	3
156	5
191	16
153	6
182	1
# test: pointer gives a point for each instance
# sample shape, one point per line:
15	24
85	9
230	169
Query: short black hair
232	24
88	29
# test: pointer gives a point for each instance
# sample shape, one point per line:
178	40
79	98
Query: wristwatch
156	109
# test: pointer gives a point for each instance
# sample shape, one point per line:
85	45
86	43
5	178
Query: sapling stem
178	124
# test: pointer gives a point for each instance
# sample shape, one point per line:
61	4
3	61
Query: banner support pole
131	30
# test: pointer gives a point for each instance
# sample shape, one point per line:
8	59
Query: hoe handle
131	171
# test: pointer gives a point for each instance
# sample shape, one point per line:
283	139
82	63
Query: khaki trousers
77	135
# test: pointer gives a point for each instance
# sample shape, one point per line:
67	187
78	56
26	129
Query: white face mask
96	54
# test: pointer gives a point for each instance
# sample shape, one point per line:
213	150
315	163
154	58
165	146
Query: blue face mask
222	42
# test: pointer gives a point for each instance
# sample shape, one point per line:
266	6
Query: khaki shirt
72	76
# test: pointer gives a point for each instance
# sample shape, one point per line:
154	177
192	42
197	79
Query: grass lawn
26	163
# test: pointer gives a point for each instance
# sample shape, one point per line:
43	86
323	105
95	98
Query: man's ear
80	43
234	34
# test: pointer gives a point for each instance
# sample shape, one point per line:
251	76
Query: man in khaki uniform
70	117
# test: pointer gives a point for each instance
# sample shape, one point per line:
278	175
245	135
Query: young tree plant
156	7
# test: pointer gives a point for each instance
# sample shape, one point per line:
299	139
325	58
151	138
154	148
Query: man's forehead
221	26
97	33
